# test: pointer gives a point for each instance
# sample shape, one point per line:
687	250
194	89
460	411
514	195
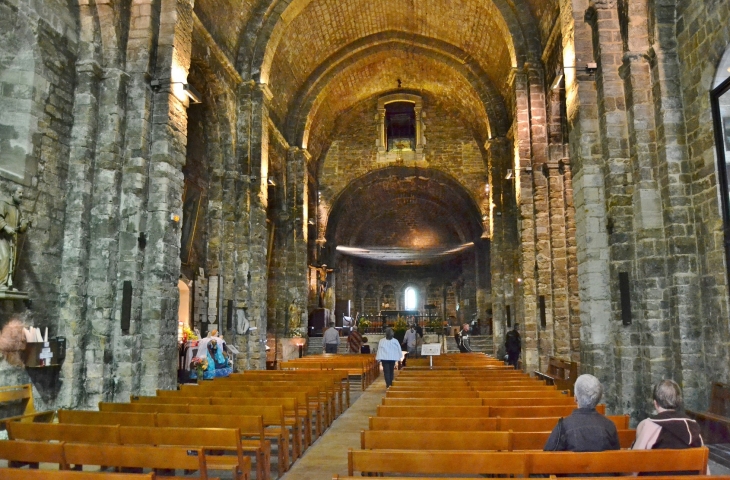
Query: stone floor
328	455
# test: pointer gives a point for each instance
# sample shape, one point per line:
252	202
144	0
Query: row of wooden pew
363	366
230	425
470	417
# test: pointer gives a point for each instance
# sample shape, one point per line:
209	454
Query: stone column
253	148
587	165
72	299
168	131
504	238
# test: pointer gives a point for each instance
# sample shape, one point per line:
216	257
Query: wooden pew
23	474
318	402
141	456
430	394
525	463
273	419
62	432
537	440
249	426
561	373
305	374
434	440
715	423
19	452
485	402
456	440
226	439
525	394
106	418
23	394
544	424
519	412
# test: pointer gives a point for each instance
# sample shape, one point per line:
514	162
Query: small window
400	124
411	298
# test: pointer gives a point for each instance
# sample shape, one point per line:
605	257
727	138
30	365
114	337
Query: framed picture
192	196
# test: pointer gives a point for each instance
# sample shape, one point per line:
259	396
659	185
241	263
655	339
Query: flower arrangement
188	334
435	324
200	365
363	324
400	324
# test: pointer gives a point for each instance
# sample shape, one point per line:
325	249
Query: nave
466	416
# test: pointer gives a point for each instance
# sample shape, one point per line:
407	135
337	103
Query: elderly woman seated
585	430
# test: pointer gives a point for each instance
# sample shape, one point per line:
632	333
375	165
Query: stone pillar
72	299
168	131
587	165
504	238
253	132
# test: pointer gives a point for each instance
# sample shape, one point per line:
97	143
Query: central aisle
328	455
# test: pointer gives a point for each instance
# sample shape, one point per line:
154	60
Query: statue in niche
295	318
12	222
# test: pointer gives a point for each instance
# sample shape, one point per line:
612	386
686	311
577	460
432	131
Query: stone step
480	343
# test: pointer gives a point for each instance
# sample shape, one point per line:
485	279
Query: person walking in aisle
513	344
331	339
389	352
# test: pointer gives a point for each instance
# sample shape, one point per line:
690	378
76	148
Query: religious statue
12	222
295	317
329	299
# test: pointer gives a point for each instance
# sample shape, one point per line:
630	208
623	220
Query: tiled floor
328	455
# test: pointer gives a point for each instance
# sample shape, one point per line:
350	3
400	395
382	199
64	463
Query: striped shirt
389	350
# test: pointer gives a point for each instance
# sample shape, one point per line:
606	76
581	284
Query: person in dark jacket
585	430
669	428
462	339
513	345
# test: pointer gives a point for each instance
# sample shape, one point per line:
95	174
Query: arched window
720	101
411	299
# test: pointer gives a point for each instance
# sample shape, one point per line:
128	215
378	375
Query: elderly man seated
585	430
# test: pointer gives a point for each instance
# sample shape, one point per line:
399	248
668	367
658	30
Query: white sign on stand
430	349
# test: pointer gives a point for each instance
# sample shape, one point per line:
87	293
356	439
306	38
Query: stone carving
242	323
12	222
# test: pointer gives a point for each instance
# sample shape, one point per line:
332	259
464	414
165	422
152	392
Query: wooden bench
23	474
561	373
553	477
142	456
517	412
475	402
544	424
525	463
294	375
272	416
249	426
18	453
456	440
715	423
22	394
318	401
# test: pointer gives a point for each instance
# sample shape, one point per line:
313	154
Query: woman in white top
389	352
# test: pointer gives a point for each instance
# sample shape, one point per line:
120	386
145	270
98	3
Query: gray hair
588	391
668	395
389	333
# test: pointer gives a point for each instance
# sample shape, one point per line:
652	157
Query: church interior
262	168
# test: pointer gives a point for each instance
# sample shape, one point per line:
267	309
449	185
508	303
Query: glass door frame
722	165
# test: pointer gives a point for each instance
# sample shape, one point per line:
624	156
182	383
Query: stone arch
304	104
455	197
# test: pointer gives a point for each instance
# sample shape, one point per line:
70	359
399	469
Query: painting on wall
192	196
